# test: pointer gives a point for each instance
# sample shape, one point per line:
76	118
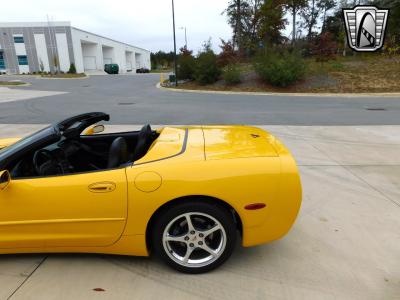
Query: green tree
393	21
325	5
207	70
162	59
272	22
186	64
237	12
72	69
252	24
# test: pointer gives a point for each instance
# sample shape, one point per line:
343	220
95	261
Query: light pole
185	36
173	24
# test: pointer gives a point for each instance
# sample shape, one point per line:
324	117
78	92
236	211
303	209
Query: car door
77	210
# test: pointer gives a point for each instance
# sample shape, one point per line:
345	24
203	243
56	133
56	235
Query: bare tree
325	6
293	7
310	15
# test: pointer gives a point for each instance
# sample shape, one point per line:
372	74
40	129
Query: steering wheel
46	163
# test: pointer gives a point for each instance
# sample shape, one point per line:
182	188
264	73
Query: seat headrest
118	153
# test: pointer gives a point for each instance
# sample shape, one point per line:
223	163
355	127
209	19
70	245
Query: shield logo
365	27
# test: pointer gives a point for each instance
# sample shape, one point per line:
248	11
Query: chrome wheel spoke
211	230
189	251
189	222
206	248
171	238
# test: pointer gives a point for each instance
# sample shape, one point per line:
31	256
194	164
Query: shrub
228	54
207	70
280	69
231	74
325	48
72	69
186	64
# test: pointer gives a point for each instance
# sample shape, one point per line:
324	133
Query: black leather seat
144	141
118	153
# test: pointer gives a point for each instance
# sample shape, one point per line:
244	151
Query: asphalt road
134	99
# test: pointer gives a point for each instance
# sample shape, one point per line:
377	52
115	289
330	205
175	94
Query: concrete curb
346	95
49	78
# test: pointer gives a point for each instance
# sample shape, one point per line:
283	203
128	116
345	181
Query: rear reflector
254	206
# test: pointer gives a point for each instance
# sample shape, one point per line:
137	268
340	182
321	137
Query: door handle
102	187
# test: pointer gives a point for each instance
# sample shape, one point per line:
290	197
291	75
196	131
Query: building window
18	39
22	60
2	63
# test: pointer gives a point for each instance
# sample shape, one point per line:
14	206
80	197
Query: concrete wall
108	55
105	49
41	49
62	49
41	42
20	50
44	41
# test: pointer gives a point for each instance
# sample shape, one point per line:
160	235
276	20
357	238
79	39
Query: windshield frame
49	134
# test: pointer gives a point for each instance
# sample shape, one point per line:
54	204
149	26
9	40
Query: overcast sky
144	23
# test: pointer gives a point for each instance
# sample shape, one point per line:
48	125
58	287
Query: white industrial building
32	47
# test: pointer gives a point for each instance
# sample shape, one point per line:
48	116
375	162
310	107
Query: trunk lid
227	142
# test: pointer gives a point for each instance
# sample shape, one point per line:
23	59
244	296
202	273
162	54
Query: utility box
172	78
111	68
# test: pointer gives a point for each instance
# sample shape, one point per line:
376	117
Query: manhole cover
375	108
126	103
85	85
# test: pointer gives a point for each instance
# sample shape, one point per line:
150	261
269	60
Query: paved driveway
133	99
344	245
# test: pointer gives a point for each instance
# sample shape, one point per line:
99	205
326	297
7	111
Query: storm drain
375	108
126	103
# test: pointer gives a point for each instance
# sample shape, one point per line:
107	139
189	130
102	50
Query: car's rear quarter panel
238	182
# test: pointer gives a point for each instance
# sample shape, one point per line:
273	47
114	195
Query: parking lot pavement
344	245
135	99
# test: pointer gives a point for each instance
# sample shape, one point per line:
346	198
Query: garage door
107	60
89	62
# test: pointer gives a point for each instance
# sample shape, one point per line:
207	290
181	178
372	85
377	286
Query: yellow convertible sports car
184	193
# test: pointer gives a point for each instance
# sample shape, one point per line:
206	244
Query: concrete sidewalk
344	245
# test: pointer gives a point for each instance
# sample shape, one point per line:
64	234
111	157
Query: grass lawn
65	75
14	83
352	74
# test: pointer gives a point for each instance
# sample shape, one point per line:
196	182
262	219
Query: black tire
216	211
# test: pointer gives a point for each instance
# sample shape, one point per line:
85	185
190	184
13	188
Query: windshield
21	144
